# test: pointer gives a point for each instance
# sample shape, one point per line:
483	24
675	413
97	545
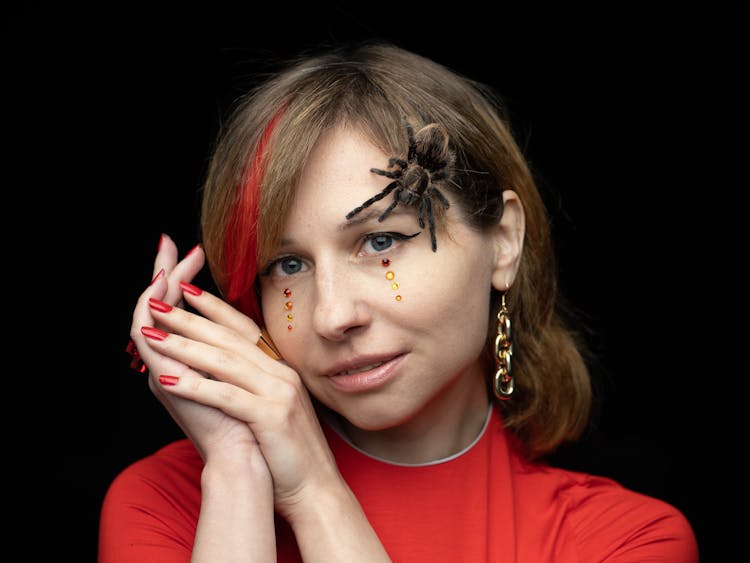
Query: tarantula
429	160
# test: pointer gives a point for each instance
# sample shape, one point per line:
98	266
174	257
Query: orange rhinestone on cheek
288	307
389	275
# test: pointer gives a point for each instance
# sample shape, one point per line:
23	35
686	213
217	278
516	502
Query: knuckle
225	359
193	385
228	394
288	392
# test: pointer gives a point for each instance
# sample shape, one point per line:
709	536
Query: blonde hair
260	154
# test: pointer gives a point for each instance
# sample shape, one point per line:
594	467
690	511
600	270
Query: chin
374	419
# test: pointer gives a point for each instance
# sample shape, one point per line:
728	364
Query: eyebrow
362	217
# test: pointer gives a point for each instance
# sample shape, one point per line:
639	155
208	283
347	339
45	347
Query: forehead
338	170
343	150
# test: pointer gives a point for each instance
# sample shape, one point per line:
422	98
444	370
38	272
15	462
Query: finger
202	329
142	316
155	361
250	368
228	398
166	255
183	271
223	313
182	410
219	311
166	267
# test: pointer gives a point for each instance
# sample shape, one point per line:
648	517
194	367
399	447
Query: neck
445	426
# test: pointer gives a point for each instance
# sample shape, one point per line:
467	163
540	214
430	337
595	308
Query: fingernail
136	363
168	379
153	333
157	276
159	305
190	288
196	247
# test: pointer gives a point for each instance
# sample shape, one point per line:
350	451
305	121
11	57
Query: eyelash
397	237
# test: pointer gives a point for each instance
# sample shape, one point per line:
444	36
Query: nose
341	305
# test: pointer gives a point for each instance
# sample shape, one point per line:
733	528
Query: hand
249	398
205	426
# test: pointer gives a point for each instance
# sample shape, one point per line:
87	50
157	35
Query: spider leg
420	215
431	221
412	141
393	174
393	204
441	197
388	189
394	160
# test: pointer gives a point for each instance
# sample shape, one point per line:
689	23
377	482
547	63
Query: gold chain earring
503	352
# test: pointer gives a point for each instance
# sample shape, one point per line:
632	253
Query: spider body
429	160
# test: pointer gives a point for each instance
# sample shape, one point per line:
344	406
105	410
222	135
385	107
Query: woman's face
377	324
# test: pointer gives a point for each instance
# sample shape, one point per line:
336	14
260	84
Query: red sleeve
617	525
150	510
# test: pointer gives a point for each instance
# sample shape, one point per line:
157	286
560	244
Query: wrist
321	503
332	526
218	470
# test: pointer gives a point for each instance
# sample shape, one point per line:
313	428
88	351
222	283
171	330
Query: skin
252	418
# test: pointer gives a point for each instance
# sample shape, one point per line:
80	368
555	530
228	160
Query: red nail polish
190	288
157	276
153	333
159	305
168	379
136	363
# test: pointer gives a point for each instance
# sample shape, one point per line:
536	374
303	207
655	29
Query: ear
508	237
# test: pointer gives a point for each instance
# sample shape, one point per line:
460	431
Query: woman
387	364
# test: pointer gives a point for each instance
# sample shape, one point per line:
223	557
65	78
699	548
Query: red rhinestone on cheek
385	262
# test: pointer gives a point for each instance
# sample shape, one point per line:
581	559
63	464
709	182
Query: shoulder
174	465
155	497
606	520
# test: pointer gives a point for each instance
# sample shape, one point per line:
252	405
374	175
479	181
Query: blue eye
290	265
284	266
380	242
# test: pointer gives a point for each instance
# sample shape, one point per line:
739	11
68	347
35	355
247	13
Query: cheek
280	308
388	282
451	278
455	289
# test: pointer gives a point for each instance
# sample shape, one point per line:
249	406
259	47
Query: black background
627	117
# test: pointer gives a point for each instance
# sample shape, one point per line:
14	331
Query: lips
359	370
365	374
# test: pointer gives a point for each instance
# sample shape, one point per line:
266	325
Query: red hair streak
242	237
